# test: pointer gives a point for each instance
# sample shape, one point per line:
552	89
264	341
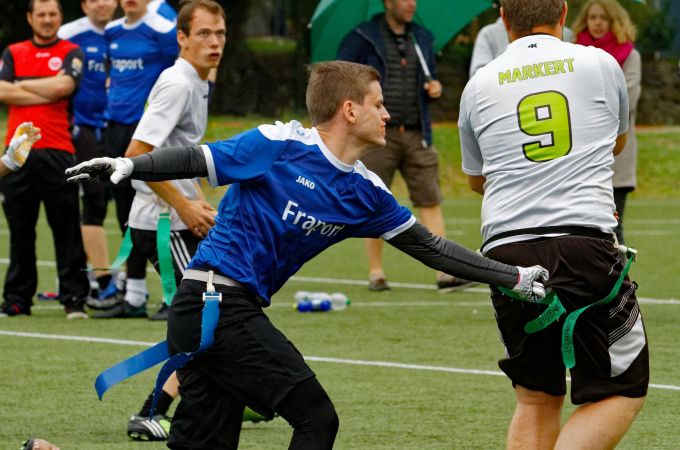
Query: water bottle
320	301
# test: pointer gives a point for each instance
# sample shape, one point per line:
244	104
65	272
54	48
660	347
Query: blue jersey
138	53
89	102
289	199
162	8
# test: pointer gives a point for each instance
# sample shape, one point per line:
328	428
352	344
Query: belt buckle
211	293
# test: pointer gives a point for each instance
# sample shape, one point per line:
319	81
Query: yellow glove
20	145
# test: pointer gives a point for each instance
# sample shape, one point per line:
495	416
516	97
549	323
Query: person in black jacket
388	43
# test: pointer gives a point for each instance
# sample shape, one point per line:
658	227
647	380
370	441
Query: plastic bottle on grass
320	301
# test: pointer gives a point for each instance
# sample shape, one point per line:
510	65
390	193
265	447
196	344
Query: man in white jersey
492	40
539	127
294	192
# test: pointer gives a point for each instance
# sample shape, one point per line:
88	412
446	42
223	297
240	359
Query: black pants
116	141
42	180
88	142
250	363
620	195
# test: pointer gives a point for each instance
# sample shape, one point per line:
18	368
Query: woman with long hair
606	24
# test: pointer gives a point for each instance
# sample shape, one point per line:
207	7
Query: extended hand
20	145
101	170
530	283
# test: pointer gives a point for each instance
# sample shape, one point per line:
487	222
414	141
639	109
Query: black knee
312	415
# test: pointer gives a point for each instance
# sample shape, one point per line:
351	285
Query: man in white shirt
176	115
539	127
492	40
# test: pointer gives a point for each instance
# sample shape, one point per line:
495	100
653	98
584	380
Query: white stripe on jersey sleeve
361	169
210	162
158	23
400	229
115	23
77	27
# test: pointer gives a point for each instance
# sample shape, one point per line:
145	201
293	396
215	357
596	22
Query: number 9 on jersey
545	114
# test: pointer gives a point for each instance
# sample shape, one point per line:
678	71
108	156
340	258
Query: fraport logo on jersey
121	65
310	224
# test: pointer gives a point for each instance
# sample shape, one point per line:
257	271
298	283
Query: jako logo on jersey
121	65
305	182
310	224
54	63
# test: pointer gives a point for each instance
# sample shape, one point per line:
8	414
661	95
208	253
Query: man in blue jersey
162	8
140	46
294	192
89	106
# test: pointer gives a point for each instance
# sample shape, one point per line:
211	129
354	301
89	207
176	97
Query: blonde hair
619	20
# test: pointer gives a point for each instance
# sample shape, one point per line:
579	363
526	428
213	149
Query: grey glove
530	283
101	170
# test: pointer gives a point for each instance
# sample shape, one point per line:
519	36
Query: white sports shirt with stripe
176	116
540	123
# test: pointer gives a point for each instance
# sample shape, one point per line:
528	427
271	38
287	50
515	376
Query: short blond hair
333	82
619	20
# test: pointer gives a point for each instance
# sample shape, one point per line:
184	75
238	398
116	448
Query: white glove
101	170
530	282
20	145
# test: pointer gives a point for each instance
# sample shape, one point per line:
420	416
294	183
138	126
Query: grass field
409	369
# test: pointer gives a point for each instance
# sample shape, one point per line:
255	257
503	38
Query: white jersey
540	123
176	115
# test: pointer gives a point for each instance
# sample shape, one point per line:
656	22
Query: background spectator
140	46
38	77
606	25
89	106
387	43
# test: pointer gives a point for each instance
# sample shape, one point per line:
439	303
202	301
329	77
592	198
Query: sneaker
123	310
14	309
452	284
107	299
75	309
378	283
251	416
161	314
48	296
154	428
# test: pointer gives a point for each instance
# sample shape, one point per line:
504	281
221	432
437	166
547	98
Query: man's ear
348	111
181	39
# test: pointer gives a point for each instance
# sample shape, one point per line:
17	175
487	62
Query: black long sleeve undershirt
171	163
448	257
441	254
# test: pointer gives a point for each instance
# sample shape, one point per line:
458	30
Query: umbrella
333	19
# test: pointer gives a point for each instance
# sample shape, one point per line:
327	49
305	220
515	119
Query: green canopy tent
333	19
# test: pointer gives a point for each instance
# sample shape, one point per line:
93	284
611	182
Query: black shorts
183	245
250	361
88	144
610	343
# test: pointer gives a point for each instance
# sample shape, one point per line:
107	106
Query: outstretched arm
171	163
452	258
